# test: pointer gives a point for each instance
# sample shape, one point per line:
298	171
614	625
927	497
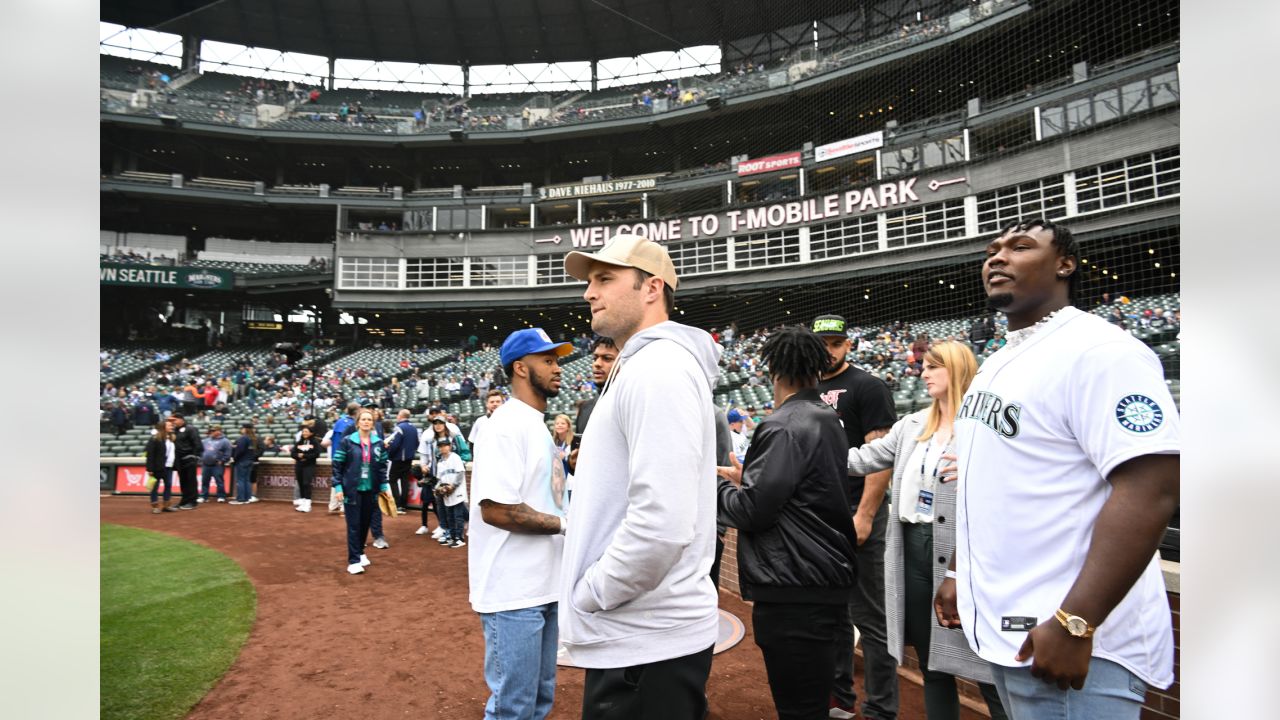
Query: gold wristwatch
1075	625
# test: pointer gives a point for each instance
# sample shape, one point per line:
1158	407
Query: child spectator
452	491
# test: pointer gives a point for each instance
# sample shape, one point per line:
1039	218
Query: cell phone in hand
577	441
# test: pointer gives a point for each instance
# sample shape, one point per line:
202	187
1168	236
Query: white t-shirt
451	471
1042	426
920	481
509	571
476	430
740	444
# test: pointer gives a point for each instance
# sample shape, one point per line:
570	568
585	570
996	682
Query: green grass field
174	615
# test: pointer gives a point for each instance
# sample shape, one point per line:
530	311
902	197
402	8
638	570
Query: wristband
564	525
951	574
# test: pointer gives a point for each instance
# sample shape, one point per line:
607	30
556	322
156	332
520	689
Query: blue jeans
244	482
455	520
167	479
520	662
1110	693
211	474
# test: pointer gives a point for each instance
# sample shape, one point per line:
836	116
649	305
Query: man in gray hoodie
638	608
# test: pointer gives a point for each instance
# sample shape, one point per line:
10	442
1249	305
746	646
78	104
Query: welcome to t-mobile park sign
760	218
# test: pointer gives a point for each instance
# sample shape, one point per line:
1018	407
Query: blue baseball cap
735	416
528	342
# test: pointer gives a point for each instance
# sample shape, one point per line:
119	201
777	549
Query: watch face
1077	626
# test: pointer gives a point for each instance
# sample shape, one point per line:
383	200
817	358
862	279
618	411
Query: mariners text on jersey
991	410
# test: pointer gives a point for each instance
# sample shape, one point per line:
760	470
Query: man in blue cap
517	524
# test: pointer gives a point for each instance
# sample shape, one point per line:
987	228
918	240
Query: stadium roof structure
470	32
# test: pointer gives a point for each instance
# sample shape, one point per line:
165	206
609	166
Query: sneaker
437	533
364	560
840	712
444	541
235	502
297	501
422	530
458	543
253	499
381	543
189	506
222	500
401	510
202	500
355	569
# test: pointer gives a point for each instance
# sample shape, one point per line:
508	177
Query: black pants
304	475
798	641
664	690
427	497
941	698
398	476
715	566
358	510
866	611
187	481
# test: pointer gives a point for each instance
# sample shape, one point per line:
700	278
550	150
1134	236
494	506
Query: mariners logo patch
1139	414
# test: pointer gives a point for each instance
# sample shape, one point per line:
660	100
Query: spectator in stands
982	330
119	419
739	438
188	448
865	408
914	449
305	452
359	474
794	480
213	464
160	454
243	456
996	342
1116	317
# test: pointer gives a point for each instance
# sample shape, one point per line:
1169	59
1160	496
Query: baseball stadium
314	211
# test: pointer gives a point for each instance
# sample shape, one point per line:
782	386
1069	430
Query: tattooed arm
519	518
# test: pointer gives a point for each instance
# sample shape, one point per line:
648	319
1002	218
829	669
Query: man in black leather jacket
795	536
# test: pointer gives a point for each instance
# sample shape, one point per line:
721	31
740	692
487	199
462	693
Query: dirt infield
419	652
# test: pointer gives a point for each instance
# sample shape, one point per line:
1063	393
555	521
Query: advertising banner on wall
178	278
783	161
132	480
604	187
849	146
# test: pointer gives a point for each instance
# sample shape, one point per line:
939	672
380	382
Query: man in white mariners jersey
1068	456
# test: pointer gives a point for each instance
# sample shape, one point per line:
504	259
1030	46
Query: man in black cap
187	451
865	406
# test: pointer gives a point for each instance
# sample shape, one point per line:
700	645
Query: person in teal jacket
359	474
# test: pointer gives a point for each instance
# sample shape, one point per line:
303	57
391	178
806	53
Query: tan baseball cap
625	250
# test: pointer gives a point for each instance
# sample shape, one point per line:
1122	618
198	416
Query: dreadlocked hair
795	354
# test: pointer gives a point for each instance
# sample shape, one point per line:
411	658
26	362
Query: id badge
924	503
364	473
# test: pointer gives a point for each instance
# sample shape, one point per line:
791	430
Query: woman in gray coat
921	530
